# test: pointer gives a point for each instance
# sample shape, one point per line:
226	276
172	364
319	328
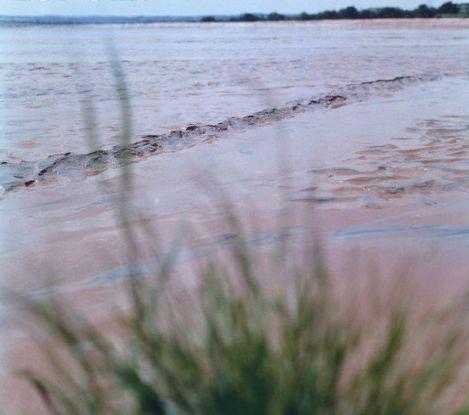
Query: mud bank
76	166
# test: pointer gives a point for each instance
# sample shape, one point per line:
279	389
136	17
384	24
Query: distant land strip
448	9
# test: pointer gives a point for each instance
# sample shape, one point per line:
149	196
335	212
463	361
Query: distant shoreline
447	10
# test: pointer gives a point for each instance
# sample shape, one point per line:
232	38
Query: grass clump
253	342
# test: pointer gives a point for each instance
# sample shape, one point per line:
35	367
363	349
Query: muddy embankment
15	175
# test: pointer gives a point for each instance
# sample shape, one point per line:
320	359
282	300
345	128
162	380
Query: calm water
187	73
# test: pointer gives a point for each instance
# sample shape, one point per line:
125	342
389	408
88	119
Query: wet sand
385	168
369	179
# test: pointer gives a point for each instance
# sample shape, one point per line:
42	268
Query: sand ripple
432	157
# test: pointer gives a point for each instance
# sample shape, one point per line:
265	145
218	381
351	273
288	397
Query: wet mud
69	165
431	158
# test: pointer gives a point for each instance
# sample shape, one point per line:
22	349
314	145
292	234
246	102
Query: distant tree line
422	11
449	9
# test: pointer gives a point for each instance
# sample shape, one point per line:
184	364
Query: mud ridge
76	165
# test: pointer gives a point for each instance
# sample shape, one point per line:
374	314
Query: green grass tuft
237	345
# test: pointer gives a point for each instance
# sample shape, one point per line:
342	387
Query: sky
188	7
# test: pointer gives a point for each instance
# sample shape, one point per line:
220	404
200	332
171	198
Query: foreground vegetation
260	333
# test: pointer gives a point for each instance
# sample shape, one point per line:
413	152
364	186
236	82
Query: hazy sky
187	7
